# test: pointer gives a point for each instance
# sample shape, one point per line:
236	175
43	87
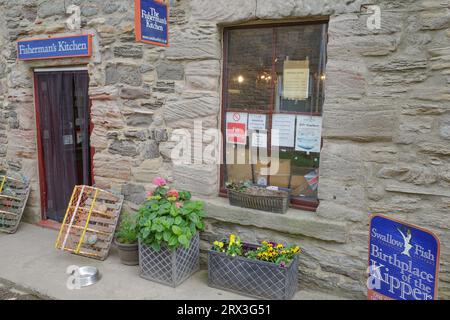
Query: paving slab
30	260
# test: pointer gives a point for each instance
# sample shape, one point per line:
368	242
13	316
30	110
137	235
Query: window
273	94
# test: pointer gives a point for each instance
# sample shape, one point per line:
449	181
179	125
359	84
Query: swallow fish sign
403	261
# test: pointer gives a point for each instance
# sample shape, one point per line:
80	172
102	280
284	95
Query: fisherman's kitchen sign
151	22
403	261
51	48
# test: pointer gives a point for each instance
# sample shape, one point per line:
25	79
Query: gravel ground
12	291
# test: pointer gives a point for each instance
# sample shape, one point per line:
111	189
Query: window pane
249	69
300	48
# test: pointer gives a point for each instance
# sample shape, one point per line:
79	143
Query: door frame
40	154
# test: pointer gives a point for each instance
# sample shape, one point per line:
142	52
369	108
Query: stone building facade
386	132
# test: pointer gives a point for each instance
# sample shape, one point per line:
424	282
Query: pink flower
172	193
149	194
179	205
159	181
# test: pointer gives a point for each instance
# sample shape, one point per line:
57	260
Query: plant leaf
177	230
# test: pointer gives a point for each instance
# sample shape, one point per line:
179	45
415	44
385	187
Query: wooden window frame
308	205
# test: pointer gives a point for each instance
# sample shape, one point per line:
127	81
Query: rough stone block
192	105
170	71
199	179
112	167
359	122
121	73
220	11
124	148
201	42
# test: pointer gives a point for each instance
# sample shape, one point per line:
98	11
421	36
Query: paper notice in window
283	130
259	139
296	80
309	134
257	121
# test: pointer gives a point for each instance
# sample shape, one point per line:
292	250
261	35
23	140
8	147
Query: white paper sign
257	121
296	80
309	134
259	139
284	124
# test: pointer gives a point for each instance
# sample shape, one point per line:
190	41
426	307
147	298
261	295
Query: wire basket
254	278
169	267
90	222
14	193
277	203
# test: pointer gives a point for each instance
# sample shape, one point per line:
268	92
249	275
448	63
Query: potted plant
168	231
244	194
267	271
126	241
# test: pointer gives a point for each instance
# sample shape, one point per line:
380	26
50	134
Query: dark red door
64	132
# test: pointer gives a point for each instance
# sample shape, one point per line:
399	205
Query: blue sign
403	261
151	22
66	47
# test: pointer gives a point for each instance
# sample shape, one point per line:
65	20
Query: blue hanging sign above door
152	22
403	261
53	48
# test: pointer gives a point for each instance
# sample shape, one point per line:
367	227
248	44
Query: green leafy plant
238	186
127	232
273	252
169	217
232	246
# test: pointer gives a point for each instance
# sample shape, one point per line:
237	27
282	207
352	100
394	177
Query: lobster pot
90	222
14	193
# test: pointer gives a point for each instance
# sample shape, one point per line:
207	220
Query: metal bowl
88	276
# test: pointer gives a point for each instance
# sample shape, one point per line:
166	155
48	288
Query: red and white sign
236	127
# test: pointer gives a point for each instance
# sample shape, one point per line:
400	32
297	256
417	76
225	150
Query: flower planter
128	253
169	267
259	279
278	202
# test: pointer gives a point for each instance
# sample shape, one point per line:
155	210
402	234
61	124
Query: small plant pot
128	253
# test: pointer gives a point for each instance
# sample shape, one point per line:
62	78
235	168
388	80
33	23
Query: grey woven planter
259	279
169	267
275	203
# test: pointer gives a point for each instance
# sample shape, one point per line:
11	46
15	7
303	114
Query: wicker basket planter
259	279
169	267
278	202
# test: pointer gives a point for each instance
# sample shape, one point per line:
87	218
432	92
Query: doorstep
28	258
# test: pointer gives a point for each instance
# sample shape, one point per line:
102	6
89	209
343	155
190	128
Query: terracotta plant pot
128	253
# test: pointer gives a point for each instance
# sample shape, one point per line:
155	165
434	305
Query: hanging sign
152	22
403	261
296	80
237	127
52	48
283	130
309	134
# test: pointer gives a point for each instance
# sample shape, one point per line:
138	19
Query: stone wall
386	117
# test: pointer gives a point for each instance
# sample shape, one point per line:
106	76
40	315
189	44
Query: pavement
31	267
